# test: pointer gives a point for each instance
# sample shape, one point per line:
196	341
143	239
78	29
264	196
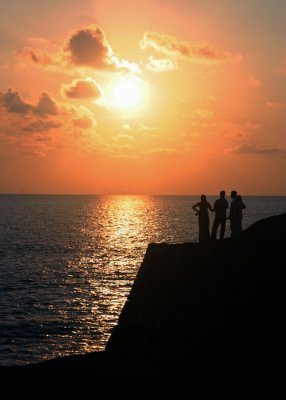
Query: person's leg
222	229
214	228
235	227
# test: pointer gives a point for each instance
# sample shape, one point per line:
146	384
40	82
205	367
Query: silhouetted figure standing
240	207
220	207
235	214
204	221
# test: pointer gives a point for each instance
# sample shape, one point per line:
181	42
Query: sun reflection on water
114	231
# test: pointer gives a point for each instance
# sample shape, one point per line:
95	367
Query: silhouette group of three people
220	208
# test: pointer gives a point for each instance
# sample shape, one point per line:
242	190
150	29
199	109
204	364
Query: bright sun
125	94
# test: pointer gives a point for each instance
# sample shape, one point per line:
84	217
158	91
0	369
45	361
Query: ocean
68	262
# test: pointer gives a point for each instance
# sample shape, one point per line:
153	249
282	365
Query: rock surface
209	317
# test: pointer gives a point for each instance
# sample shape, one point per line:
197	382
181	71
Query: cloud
50	60
162	150
88	47
122	137
202	112
41	126
82	89
254	82
44	126
194	52
253	149
84	123
46	106
142	128
276	105
161	64
147	128
83	118
13	103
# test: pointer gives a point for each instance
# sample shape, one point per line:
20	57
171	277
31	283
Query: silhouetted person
240	207
220	207
235	214
202	208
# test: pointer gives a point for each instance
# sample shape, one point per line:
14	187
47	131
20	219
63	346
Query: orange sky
158	97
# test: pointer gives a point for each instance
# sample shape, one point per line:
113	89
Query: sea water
67	264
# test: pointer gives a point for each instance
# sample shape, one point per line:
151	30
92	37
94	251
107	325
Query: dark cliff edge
208	317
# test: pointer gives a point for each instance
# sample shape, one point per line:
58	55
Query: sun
126	94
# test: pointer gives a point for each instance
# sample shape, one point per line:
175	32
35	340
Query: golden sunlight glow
125	94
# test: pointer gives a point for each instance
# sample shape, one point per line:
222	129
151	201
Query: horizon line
132	194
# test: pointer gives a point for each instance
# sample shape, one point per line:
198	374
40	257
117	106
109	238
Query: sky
153	97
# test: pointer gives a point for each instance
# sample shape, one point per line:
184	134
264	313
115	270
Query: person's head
222	194
238	197
203	197
233	194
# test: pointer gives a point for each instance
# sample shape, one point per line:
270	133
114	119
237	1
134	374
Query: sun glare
126	94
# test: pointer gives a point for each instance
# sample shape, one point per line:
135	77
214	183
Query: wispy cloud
254	149
194	52
254	82
161	64
41	126
276	105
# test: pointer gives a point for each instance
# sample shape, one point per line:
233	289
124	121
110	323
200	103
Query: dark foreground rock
209	319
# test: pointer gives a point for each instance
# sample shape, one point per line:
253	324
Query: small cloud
162	150
161	64
84	123
254	82
193	52
252	125
190	134
253	149
276	105
146	128
82	89
122	137
84	118
202	112
40	58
